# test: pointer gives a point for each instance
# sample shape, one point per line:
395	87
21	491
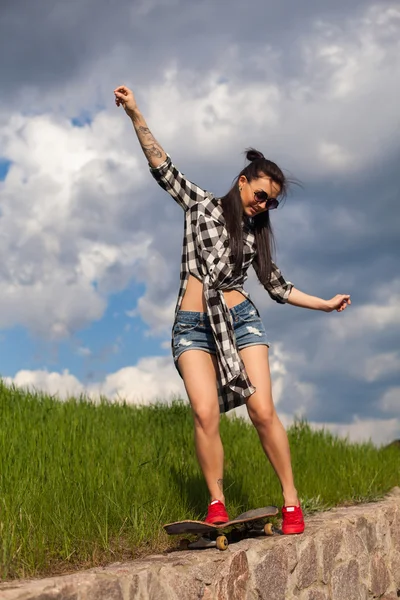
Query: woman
215	318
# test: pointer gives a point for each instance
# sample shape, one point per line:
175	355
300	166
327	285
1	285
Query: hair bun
252	154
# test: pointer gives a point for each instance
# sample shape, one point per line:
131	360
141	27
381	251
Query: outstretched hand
338	302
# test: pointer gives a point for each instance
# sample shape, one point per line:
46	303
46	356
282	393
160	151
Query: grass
85	484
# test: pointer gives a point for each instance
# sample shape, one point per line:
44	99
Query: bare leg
275	444
270	430
198	370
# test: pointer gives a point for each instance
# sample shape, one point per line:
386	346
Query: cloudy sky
91	245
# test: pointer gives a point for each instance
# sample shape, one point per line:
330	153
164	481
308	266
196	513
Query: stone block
174	584
307	566
358	541
271	575
233	584
395	531
330	546
383	539
59	594
346	584
315	595
353	545
291	553
395	568
104	589
367	532
379	576
134	588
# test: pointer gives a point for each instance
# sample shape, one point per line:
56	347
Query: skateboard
248	524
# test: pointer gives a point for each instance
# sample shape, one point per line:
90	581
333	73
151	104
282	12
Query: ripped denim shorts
192	330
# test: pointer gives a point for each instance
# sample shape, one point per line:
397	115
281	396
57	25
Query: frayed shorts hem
208	351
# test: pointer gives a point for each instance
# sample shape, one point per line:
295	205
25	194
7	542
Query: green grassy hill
83	484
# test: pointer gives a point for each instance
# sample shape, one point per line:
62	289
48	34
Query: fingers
343	304
345	300
121	95
119	98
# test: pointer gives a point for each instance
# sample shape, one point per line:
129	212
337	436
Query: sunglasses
262	196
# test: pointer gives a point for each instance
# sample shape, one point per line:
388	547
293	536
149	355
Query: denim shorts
192	330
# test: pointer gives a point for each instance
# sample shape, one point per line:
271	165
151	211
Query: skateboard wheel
184	544
268	529
222	542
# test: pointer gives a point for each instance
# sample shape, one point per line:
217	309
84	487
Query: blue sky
91	245
4	167
113	342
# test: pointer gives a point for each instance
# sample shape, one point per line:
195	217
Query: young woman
215	318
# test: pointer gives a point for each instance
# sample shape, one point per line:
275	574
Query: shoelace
294	517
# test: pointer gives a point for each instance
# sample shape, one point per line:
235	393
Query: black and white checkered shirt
206	255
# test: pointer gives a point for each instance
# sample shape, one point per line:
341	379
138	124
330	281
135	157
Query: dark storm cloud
353	231
48	43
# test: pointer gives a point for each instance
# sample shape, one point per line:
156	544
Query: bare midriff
194	299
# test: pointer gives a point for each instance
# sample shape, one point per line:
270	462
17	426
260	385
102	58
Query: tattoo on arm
152	150
144	130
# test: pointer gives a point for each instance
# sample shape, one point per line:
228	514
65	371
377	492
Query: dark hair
233	213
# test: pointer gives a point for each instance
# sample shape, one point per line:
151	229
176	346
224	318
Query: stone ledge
347	553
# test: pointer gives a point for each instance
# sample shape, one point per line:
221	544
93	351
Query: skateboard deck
211	535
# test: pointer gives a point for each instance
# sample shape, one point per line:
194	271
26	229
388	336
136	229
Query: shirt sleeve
183	191
277	287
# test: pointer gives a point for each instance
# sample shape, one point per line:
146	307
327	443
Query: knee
206	420
263	418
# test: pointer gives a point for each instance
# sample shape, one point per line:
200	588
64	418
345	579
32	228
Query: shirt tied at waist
231	367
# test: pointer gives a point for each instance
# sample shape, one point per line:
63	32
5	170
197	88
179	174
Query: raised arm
151	148
184	192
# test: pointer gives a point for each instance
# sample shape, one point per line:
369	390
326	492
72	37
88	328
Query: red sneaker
216	513
293	520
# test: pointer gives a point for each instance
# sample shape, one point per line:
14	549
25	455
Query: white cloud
335	155
390	401
151	379
380	365
63	194
63	385
380	431
156	307
83	351
321	118
378	316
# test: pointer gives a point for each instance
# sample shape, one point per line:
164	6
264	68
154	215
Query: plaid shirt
206	255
